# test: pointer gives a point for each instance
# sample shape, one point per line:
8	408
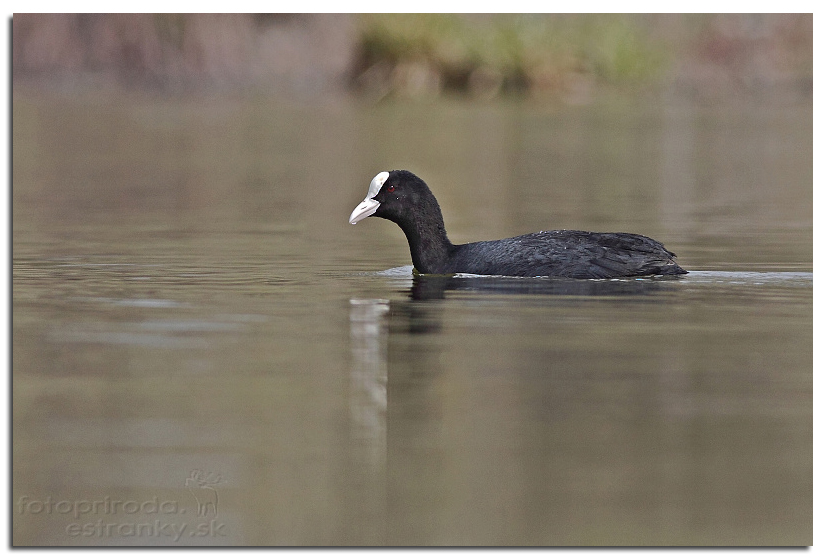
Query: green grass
516	52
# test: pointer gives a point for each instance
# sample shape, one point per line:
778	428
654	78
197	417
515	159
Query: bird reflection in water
426	287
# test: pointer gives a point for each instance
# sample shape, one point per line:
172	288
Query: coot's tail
670	269
665	266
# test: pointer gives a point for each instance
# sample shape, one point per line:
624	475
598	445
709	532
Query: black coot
405	199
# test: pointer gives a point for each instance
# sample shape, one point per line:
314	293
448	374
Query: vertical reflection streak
368	421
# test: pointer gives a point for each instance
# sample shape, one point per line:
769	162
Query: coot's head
405	199
398	196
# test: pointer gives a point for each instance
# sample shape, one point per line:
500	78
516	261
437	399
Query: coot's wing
570	254
603	255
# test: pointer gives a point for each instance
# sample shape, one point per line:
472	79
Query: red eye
391	188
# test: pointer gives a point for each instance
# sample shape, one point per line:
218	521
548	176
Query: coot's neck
430	248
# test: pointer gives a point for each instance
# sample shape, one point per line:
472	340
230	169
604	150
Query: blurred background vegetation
562	57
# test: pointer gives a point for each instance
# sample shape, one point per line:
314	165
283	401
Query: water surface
206	353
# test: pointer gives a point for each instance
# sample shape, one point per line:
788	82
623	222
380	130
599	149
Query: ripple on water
698	276
791	279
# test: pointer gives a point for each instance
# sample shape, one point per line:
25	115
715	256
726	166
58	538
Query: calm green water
205	352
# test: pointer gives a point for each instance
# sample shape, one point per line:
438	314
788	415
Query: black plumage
406	200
